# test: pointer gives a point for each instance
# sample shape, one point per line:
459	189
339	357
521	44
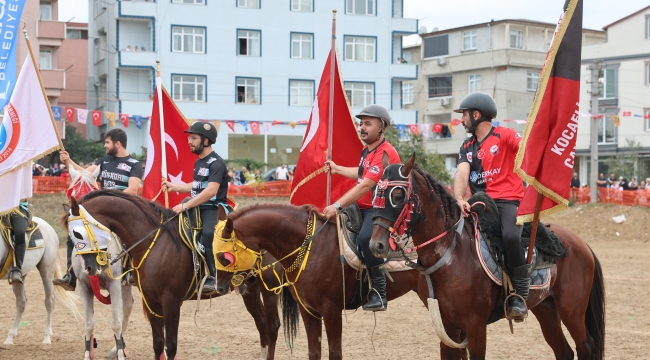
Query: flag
616	120
137	119
10	25
97	117
124	118
546	153
255	127
110	116
310	180
56	112
267	127
278	122
82	115
217	125
180	160
292	124
244	124
437	128
627	113
70	113
231	125
414	129
26	134
424	128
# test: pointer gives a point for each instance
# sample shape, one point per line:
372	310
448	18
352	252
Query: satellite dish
422	30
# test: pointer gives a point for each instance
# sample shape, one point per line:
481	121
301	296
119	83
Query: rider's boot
377	296
69	280
210	283
16	275
520	278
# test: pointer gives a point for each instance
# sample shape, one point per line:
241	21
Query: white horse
46	260
89	271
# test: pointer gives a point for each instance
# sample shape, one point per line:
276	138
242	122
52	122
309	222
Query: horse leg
127	307
172	311
476	337
157	328
572	312
334	330
47	274
255	307
117	351
88	298
549	321
21	300
449	353
314	329
272	321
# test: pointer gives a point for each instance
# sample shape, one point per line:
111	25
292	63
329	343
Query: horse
313	272
131	218
46	259
575	295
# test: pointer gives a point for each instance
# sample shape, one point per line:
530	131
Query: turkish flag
437	128
278	122
124	118
255	127
547	151
627	113
414	129
97	117
70	113
310	180
231	125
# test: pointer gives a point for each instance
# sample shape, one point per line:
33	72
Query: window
440	86
607	84
301	92
99	6
469	40
474	83
301	46
248	43
360	48
532	81
97	54
45	60
647	27
606	133
302	5
407	93
253	4
46	10
248	91
198	2
436	46
647	73
188	39
188	88
76	34
360	94
647	119
516	39
360	7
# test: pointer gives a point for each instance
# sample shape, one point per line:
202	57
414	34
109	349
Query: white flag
19	182
82	115
27	132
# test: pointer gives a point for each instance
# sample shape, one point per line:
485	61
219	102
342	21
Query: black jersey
114	172
211	168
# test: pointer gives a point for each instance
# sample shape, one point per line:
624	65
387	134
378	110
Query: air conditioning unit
444	101
442	61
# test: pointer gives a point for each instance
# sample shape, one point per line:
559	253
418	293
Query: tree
629	164
250	164
432	163
81	150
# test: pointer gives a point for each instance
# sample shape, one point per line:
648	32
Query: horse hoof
47	341
87	355
9	341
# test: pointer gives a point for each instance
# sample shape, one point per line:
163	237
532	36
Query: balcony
54	81
137	7
50	33
402	25
403	117
403	71
138	58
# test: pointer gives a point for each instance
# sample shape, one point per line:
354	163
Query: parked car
270	175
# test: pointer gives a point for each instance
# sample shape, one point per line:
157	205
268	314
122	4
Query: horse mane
307	208
449	203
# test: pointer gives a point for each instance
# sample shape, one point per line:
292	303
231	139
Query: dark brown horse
281	229
465	294
167	272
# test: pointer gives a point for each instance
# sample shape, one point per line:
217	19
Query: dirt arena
226	330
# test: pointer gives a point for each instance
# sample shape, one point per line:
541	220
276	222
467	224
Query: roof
77	25
625	18
498	22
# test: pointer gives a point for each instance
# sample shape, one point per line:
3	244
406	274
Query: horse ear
73	172
406	169
95	172
74	206
221	213
228	229
66	208
385	160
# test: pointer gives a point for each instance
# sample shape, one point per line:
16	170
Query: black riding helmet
206	130
482	102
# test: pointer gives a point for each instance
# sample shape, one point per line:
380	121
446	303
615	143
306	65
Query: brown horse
166	274
465	294
281	229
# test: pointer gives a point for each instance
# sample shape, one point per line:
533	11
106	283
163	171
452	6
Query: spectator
642	185
142	48
575	182
622	183
53	170
282	173
601	182
611	180
83	165
128	48
64	172
258	176
633	185
237	181
647	183
290	174
136	49
243	178
36	171
231	175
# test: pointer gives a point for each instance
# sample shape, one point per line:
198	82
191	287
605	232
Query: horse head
234	259
82	182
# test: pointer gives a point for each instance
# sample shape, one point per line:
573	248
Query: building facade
502	58
244	60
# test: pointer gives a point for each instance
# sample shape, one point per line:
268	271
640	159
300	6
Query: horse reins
124	252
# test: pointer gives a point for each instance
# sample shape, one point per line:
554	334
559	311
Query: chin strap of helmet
476	122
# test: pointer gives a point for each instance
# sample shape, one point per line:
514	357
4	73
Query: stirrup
517	319
64	282
16	281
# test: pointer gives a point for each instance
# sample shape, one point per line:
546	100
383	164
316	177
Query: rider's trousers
364	239
511	232
19	225
209	218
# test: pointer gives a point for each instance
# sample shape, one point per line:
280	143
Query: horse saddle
191	227
33	235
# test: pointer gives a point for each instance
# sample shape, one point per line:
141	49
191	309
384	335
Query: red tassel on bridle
380	198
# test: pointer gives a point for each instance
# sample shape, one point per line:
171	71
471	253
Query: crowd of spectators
246	177
54	169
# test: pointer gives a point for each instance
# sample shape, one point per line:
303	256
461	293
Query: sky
446	14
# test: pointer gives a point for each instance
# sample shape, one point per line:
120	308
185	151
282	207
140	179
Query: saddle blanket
540	278
353	260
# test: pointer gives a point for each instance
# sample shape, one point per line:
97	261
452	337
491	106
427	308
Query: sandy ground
226	331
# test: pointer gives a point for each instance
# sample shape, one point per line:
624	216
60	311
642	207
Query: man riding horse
209	190
17	220
487	161
118	170
374	120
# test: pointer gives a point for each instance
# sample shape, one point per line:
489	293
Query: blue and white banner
56	111
10	13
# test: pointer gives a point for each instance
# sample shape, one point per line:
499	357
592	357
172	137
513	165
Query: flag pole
161	115
533	234
331	107
40	82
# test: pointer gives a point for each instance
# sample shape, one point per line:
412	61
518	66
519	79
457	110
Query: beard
196	150
111	151
469	129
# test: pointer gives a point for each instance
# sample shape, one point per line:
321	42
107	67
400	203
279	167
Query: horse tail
595	316
289	316
69	299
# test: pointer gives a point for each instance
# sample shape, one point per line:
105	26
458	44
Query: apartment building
244	60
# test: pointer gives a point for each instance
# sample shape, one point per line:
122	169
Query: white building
250	60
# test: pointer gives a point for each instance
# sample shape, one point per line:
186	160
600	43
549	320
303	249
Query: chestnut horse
166	273
466	296
280	229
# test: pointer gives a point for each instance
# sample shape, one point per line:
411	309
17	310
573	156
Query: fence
281	188
50	184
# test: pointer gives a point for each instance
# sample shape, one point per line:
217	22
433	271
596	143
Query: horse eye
77	235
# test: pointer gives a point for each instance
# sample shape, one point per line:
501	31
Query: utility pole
595	94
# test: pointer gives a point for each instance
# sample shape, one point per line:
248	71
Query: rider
208	190
486	160
374	120
118	170
18	221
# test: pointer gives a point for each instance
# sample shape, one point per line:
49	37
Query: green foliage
432	163
80	149
250	164
629	164
142	156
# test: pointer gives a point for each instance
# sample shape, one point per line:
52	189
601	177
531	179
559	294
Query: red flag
125	120
255	127
97	117
414	129
278	122
231	125
303	122
437	128
547	151
456	122
627	113
310	180
70	113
